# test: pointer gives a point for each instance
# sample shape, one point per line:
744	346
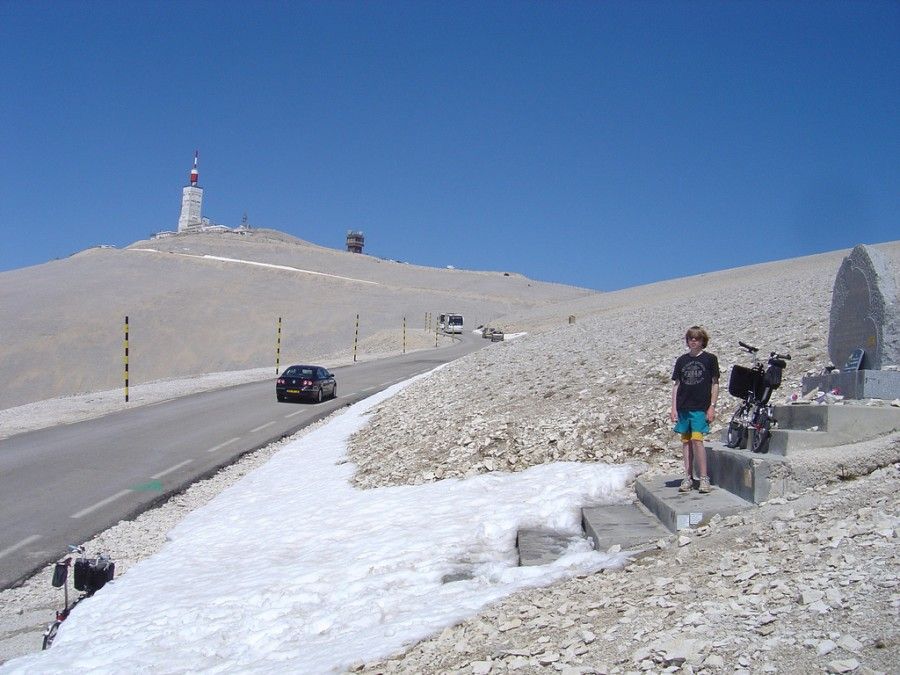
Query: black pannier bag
744	380
92	574
773	376
60	573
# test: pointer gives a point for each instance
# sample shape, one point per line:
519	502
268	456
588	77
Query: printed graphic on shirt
692	373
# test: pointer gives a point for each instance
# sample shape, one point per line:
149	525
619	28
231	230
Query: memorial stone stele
864	329
864	311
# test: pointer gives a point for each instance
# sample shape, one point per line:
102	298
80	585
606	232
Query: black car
311	382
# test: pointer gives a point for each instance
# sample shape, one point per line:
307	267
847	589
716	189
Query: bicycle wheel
736	435
762	431
50	634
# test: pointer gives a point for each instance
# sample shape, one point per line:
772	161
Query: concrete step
752	476
802	416
846	423
740	479
540	547
806	427
785	441
630	526
683	510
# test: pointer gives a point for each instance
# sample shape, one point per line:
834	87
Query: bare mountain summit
209	302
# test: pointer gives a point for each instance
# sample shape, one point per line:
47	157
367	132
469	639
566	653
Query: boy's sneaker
686	485
704	484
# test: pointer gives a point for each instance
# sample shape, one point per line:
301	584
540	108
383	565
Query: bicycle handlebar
772	355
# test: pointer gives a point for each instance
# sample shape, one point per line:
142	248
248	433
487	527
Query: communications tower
191	200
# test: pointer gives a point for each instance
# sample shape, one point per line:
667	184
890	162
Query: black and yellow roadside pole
404	334
435	334
126	359
355	338
278	347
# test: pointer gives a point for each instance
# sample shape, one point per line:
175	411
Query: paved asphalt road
65	484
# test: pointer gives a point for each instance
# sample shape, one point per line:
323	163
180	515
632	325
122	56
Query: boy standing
694	396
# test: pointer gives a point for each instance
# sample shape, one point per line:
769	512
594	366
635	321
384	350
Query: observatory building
191	201
355	241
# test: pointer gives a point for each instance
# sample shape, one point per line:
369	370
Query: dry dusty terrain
196	305
806	583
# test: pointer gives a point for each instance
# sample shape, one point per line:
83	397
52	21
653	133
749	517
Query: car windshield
456	321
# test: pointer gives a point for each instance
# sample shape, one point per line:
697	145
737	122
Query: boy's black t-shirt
695	375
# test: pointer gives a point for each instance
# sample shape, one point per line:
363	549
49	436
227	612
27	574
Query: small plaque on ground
854	361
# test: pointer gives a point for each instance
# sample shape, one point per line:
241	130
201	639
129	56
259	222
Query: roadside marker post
404	334
278	347
126	359
356	338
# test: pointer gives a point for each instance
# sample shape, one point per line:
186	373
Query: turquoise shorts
692	425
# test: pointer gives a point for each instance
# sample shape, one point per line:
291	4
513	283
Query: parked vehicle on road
306	382
453	323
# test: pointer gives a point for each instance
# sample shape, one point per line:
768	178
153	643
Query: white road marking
299	412
16	547
222	445
283	267
259	264
172	468
101	504
261	427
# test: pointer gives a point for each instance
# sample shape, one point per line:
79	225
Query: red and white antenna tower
195	174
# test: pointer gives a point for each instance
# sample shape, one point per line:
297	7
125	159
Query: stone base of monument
883	384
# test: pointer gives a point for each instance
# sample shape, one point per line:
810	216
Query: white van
453	323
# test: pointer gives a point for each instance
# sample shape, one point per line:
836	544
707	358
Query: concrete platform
883	384
630	526
846	423
685	510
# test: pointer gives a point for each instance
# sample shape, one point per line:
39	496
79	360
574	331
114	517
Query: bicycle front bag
745	380
92	574
773	376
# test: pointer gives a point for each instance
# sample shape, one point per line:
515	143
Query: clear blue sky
599	144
